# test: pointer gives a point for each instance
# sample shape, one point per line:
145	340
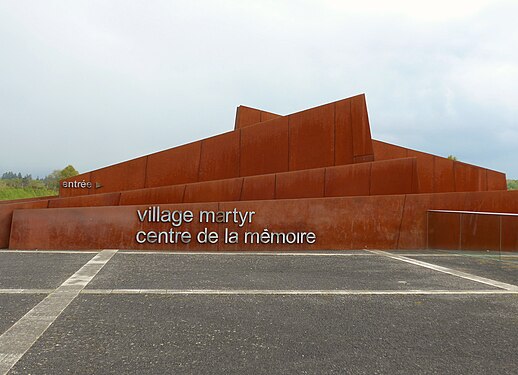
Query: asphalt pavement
336	312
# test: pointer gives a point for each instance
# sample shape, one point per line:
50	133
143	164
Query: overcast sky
93	83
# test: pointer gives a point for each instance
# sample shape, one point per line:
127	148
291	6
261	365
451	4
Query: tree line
50	182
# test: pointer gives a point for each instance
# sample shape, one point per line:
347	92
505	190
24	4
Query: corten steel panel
264	148
178	165
6	214
129	175
440	175
246	116
99	227
477	201
214	191
509	233
163	194
444	179
397	176
108	199
344	153
494	201
339	223
413	225
348	180
311	138
258	187
266	116
480	232
443	231
25	200
300	184
384	151
220	157
362	142
73	192
496	180
469	178
363	158
424	170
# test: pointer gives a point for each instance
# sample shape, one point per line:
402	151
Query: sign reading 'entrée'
177	218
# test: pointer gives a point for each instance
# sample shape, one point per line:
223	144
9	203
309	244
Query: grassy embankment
8	193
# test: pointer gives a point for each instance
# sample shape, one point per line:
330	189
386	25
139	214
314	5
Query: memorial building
311	180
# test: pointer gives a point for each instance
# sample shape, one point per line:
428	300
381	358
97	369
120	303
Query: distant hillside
16	186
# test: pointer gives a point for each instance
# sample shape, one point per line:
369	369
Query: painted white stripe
449	271
26	291
15	342
49	251
291	292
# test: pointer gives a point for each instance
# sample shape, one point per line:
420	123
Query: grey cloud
94	83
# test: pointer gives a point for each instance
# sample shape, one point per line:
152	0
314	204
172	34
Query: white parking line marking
26	291
293	292
15	342
449	271
49	251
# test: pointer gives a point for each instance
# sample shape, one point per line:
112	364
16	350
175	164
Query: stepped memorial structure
311	180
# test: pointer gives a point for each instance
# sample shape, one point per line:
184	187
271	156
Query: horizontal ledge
474	212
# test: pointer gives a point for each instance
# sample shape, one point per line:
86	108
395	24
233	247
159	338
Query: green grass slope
8	193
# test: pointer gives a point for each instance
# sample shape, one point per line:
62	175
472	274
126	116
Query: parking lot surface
339	312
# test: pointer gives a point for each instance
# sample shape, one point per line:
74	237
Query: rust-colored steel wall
333	134
264	148
25	200
116	227
163	194
300	184
246	116
472	231
6	215
396	176
311	138
214	191
107	199
348	180
178	165
362	142
381	222
440	175
259	187
220	157
414	222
